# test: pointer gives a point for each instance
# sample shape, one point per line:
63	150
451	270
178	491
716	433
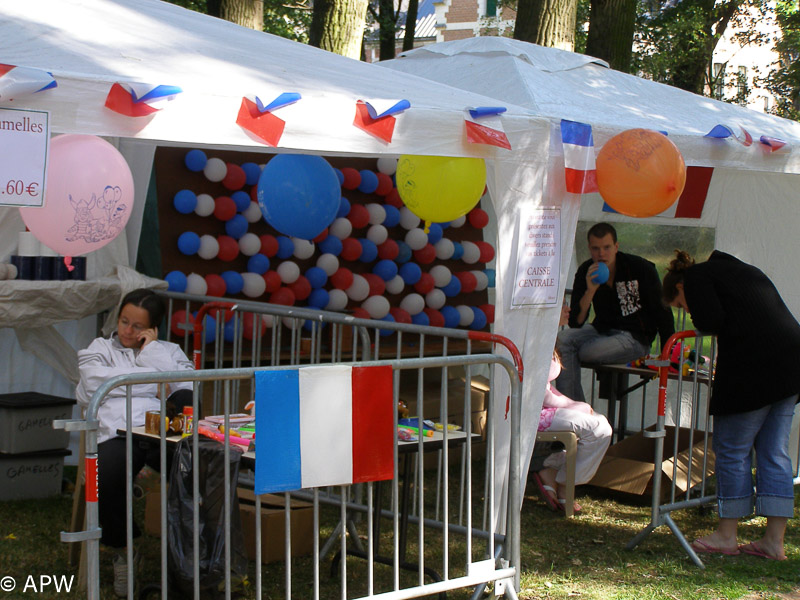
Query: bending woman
755	389
133	348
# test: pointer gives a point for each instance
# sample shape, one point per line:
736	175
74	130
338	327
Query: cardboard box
273	521
628	465
31	474
26	422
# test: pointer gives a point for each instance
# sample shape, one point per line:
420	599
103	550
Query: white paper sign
24	137
538	259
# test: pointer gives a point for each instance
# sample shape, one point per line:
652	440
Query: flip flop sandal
755	550
548	493
702	547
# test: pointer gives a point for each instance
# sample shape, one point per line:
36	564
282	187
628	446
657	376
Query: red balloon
478	218
301	288
247	325
400	315
385	184
360	313
351	249
273	281
342	278
228	247
488	309
224	208
434	316
388	250
487	251
352	178
358	216
425	284
178	322
468	282
254	194
269	245
377	286
216	285
425	255
393	198
234	178
283	296
321	236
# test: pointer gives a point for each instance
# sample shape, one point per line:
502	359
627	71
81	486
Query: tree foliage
784	80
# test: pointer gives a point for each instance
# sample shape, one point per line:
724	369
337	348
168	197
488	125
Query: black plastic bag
180	540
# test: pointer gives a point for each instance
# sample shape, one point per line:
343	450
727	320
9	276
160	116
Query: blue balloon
458	251
236	227
185	201
344	206
241	199
392	216
176	281
410	272
369	251
339	175
234	282
299	194
330	245
258	263
319	298
285	247
369	182
451	316
435	233
229	330
421	318
453	288
389	319
251	173
317	278
491	275
479	321
195	160
189	243
404	254
385	269
601	275
312	325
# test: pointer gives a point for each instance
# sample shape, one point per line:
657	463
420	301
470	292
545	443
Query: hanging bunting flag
484	126
722	131
376	117
771	144
378	109
256	117
323	425
18	82
579	159
284	99
139	99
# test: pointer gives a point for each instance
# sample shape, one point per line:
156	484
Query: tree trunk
547	23
338	26
611	26
247	13
387	21
411	25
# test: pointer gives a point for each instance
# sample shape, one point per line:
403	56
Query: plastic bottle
188	420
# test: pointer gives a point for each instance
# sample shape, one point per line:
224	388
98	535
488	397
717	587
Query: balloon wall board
324	232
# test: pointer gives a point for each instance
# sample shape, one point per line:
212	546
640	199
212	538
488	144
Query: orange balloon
640	173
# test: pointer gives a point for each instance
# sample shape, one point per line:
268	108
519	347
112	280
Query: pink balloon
89	196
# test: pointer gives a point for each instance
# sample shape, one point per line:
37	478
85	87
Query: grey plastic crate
31	474
26	422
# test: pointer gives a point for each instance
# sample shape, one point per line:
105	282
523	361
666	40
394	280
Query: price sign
24	137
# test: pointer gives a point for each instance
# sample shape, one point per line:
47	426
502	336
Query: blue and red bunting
484	126
381	128
139	99
264	125
19	82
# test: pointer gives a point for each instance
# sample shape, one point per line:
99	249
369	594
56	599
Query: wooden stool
570	441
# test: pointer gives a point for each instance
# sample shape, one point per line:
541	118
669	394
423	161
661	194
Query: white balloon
254	285
408	220
377	306
387	165
413	304
337	300
292	322
459	221
288	271
209	247
215	169
329	263
196	285
269	320
444	249
483	280
377	234
252	213
206	205
359	289
471	253
395	285
341	228
12	271
303	249
416	239
441	275
249	244
435	299
465	315
377	214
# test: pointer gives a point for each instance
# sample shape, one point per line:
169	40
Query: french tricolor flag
323	425
579	164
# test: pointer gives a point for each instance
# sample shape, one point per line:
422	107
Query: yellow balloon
439	189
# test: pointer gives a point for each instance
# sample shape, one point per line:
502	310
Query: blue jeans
587	345
766	431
